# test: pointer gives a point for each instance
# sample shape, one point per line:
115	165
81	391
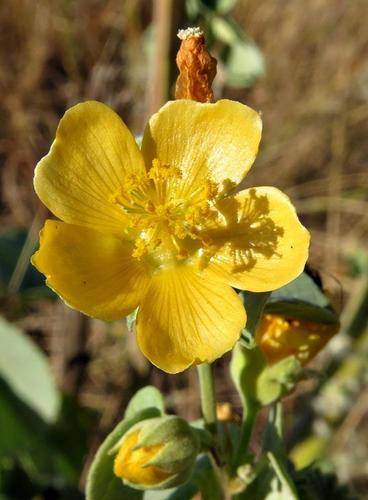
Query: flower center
164	224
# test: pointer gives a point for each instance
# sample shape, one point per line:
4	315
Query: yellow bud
156	453
130	463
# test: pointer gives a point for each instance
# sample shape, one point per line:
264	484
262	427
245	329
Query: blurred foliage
12	242
241	59
44	434
313	484
358	262
26	370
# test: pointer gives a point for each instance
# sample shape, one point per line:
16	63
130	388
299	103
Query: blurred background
65	379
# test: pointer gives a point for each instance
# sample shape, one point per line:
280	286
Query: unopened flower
159	227
279	337
157	453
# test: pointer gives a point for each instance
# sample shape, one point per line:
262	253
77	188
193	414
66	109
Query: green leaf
265	486
147	397
273	433
268	483
205	479
302	299
102	484
25	369
287	486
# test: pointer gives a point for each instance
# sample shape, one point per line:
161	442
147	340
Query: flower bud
157	453
279	337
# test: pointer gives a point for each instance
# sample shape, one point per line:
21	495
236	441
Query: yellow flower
157	227
280	337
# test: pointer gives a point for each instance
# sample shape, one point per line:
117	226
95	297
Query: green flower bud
260	384
156	453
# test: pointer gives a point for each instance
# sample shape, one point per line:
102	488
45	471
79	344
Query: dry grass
314	101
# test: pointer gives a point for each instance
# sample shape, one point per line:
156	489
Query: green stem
208	404
249	417
208	397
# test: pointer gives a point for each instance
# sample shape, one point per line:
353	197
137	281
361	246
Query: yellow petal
91	271
280	337
186	319
92	153
205	141
262	246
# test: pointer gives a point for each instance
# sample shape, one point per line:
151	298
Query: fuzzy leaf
302	299
148	397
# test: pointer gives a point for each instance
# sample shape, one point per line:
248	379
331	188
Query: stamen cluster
162	221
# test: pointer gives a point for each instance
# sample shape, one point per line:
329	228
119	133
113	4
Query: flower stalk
208	396
250	413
